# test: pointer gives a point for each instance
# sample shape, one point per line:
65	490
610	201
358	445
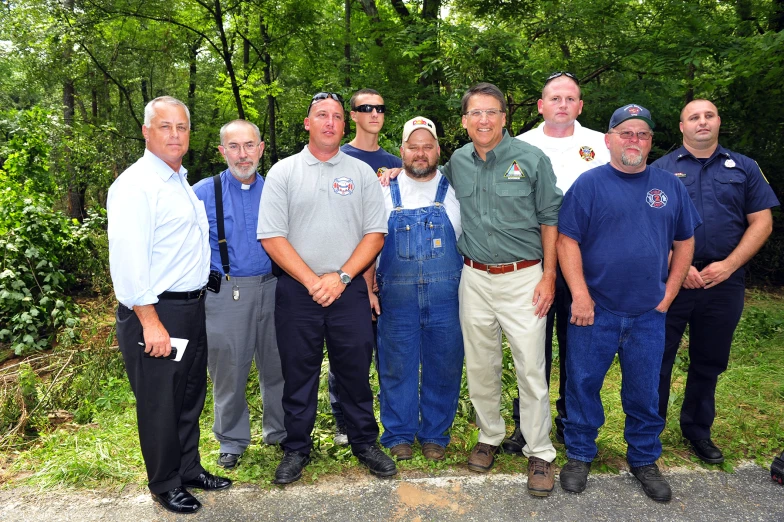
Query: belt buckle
201	292
487	269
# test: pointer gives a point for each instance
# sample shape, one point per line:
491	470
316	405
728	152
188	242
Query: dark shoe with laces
228	460
290	468
541	477
654	485
482	457
379	463
513	445
208	482
177	500
707	451
574	475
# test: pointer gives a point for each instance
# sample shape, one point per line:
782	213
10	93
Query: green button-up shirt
504	200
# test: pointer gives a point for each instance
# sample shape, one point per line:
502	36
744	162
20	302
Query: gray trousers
238	331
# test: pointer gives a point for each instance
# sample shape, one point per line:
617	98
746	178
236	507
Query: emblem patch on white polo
343	186
587	153
656	198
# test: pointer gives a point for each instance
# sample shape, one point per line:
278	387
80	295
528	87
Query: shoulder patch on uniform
587	153
514	171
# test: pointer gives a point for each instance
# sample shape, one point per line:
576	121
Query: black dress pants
169	395
302	326
712	316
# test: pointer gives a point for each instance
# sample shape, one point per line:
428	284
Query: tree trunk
226	55
75	190
347	45
272	143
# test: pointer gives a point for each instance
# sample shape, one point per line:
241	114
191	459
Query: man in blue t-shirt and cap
617	226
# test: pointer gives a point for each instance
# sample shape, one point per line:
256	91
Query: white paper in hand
180	344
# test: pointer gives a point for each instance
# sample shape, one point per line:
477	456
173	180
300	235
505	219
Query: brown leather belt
501	269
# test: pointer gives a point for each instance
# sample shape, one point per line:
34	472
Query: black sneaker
707	451
513	445
378	462
228	460
654	485
574	475
290	468
341	436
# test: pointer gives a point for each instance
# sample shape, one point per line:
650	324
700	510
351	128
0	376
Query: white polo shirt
570	156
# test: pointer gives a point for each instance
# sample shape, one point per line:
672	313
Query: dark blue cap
629	112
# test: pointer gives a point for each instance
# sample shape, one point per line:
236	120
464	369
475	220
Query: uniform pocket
515	203
730	187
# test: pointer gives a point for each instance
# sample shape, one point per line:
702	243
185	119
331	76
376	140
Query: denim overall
418	276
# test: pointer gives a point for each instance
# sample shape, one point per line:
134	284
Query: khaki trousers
490	303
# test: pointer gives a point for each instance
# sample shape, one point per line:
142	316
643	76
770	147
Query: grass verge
97	445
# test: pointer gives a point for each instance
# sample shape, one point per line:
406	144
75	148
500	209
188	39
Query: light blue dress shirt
240	218
158	233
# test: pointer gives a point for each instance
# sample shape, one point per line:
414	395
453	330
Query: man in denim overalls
418	277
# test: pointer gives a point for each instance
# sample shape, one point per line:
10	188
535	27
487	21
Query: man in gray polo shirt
323	224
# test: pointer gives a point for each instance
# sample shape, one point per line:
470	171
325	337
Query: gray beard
631	162
420	173
239	175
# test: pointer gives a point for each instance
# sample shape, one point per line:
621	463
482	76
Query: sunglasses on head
558	74
324	95
366	107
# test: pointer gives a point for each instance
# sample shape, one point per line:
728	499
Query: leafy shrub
34	243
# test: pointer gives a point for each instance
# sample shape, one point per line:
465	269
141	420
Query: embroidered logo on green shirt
514	171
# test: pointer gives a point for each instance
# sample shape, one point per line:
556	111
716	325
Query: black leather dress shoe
208	481
228	460
513	445
378	462
177	500
707	451
290	467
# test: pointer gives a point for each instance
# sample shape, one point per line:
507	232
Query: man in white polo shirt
572	150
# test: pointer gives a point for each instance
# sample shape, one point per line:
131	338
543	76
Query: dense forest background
76	74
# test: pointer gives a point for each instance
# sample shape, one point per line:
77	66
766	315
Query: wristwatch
344	277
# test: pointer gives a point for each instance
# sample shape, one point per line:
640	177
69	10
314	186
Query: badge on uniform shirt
680	174
729	163
514	171
380	171
343	186
587	153
656	198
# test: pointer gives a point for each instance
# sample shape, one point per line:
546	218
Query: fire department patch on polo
514	171
343	186
587	153
656	198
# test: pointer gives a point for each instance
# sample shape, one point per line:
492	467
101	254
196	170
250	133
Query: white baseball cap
419	122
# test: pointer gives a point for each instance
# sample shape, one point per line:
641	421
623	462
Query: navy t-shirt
625	225
378	159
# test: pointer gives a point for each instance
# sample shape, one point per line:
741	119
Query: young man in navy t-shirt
618	227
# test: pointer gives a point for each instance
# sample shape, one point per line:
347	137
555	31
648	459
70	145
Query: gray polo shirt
323	208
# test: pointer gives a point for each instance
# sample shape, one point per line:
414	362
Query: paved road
746	495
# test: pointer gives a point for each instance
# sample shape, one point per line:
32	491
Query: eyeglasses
366	107
558	74
324	95
627	135
490	113
250	148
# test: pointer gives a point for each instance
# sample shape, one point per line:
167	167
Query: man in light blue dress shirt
159	261
241	316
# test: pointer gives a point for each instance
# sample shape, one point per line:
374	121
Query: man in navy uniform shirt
241	316
734	199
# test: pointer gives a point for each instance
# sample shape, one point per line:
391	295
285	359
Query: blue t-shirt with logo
378	159
625	225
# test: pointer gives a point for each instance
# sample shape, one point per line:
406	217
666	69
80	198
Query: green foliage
34	242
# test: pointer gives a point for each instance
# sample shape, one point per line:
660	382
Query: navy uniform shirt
725	188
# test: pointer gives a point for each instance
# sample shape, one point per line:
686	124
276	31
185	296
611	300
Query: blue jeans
639	343
419	324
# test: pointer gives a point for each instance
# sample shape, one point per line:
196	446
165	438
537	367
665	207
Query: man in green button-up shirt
509	209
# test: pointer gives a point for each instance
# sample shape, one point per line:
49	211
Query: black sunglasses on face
366	107
324	95
558	74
